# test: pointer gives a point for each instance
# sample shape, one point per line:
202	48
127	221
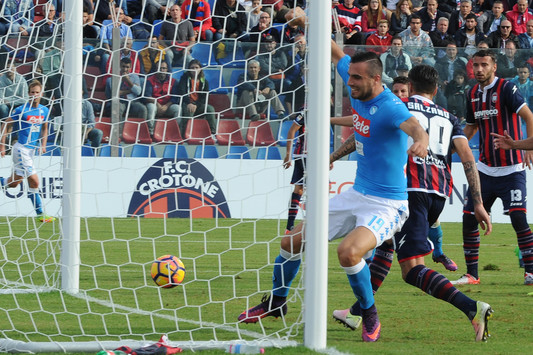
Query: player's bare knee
292	243
349	255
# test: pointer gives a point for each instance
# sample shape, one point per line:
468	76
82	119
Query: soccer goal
217	200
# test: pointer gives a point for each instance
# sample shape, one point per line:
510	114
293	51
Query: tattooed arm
472	176
346	148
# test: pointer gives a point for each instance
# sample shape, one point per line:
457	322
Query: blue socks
35	198
359	278
435	235
285	269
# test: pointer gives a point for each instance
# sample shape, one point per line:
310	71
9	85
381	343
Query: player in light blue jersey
32	121
376	207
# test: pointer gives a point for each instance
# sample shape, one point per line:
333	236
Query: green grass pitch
412	322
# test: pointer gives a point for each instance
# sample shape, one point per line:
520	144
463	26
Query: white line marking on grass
149	313
331	351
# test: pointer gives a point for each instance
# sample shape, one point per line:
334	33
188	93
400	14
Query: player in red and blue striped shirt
494	106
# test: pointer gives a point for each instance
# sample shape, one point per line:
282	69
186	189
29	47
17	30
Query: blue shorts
424	210
298	172
511	189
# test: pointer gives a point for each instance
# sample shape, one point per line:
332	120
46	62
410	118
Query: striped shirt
494	110
432	174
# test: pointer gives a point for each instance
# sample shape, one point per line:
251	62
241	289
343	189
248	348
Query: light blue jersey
29	121
381	146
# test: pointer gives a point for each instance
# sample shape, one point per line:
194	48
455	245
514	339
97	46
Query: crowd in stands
178	58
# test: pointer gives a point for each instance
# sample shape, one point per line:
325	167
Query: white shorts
22	160
351	209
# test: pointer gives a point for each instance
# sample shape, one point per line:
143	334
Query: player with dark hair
429	183
32	120
297	130
376	207
400	88
495	105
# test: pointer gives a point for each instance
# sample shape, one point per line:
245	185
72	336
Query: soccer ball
168	271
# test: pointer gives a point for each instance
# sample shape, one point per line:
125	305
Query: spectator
19	15
292	30
255	93
349	17
179	36
129	92
126	51
89	30
273	63
193	87
199	13
48	28
229	19
504	34
288	11
381	40
524	83
106	33
102	11
455	93
393	59
263	29
159	103
255	13
156	10
50	66
152	56
526	39
440	37
448	6
90	132
490	20
371	17
417	43
508	63
519	16
458	17
403	70
295	96
429	15
13	91
469	36
450	64
470	67
400	17
400	87
133	8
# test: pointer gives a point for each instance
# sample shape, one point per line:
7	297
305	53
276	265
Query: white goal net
183	156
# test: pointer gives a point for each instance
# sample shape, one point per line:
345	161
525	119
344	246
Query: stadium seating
87	151
136	131
204	53
175	151
259	134
238	152
198	132
216	81
143	151
105	151
205	152
222	105
269	153
167	131
104	124
229	133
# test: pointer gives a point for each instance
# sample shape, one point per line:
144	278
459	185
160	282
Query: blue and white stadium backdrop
125	187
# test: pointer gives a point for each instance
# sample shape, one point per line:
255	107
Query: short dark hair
471	16
397	37
400	80
486	53
414	16
424	78
125	60
375	67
